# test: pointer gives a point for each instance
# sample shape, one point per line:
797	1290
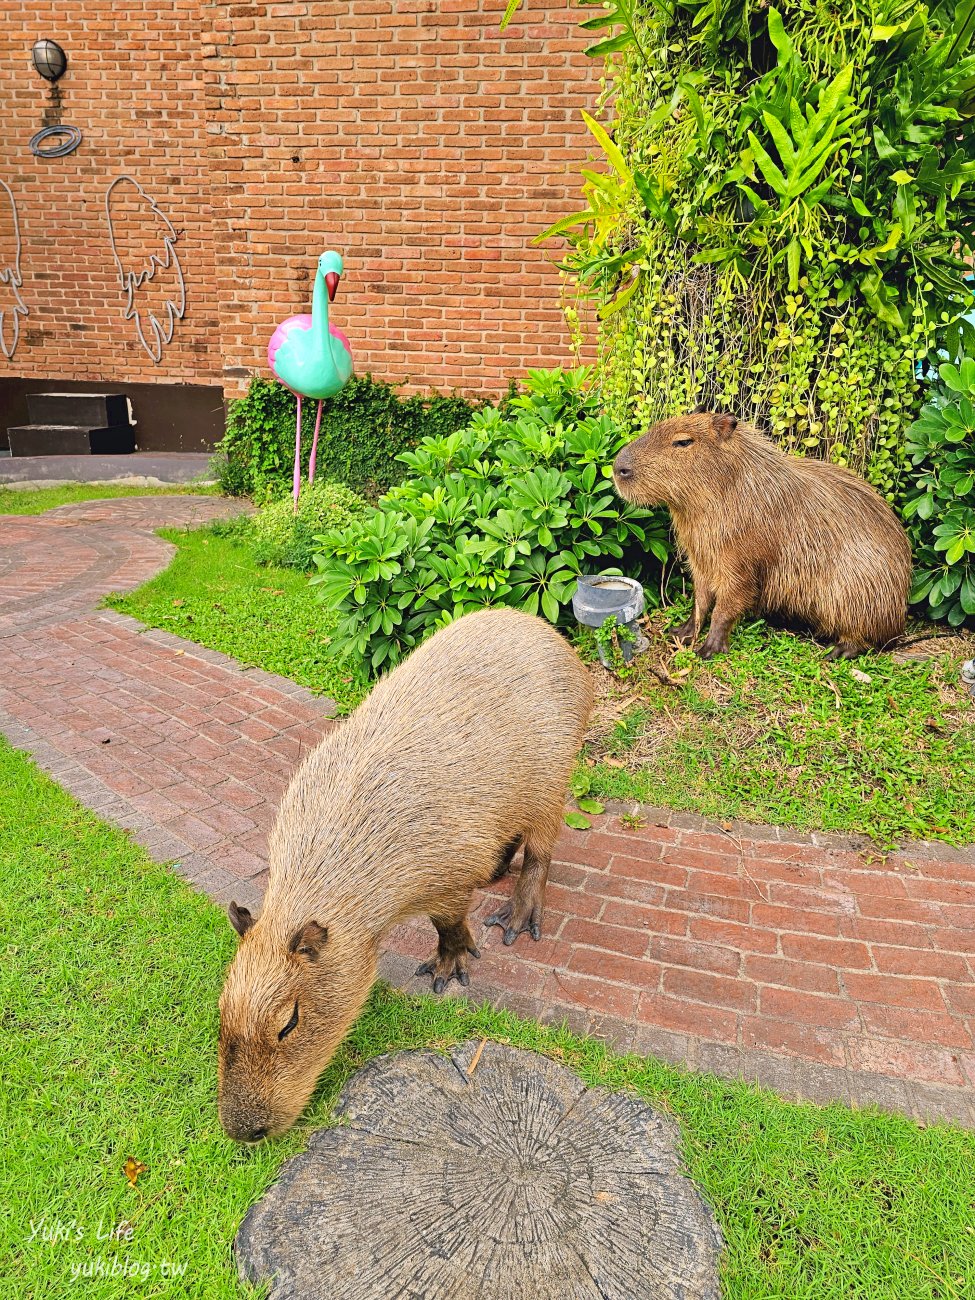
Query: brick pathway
804	963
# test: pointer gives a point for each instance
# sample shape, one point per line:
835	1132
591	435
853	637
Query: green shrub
939	507
282	537
782	224
504	512
364	429
238	528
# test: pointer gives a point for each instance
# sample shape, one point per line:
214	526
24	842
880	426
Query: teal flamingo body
311	356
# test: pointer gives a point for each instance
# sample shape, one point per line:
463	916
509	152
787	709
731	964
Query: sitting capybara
460	755
772	533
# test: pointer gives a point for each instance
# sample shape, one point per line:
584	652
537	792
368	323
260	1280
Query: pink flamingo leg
314	444
296	487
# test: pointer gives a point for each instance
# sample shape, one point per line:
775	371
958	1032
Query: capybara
459	756
772	533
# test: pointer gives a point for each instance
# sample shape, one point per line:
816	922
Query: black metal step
84	410
71	440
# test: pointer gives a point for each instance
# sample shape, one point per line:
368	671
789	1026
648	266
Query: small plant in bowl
611	637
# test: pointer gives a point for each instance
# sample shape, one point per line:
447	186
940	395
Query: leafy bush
364	429
504	512
783	223
940	506
282	537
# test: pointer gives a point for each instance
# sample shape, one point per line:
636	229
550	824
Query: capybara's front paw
718	646
685	634
515	920
445	967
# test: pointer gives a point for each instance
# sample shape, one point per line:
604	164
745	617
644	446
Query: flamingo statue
311	357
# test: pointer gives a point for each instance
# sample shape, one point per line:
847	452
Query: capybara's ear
700	409
309	940
723	426
240	918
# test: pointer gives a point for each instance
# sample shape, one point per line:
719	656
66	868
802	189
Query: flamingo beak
331	284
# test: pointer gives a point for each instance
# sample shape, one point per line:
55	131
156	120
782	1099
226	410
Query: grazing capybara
459	756
772	533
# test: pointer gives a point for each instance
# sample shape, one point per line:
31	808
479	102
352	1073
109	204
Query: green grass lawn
772	732
214	593
109	986
109	982
34	501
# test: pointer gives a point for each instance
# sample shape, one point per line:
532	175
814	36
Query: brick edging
675	819
192	650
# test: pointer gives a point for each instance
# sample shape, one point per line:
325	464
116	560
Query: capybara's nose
623	467
257	1135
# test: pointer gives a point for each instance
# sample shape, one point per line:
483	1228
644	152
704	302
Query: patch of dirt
650	687
920	643
932	644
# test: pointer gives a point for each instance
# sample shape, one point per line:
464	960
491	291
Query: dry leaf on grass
132	1169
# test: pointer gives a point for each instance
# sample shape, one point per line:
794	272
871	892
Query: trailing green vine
783	222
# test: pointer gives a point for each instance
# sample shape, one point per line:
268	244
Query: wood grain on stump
514	1181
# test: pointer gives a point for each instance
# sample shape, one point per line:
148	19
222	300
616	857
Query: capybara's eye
292	1023
682	442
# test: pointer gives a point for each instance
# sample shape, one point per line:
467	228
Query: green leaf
951	377
621	299
592	806
792	260
511	9
577	821
955	552
580	783
563	224
779	36
612	45
611	150
550	607
956	616
961	33
770	171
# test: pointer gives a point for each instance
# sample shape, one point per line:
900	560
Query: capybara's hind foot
515	919
845	650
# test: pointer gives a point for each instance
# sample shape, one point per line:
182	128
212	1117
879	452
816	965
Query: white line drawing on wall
12	305
136	269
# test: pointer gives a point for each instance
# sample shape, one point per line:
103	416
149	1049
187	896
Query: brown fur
464	751
772	533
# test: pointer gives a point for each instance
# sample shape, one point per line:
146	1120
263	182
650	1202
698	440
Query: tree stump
512	1181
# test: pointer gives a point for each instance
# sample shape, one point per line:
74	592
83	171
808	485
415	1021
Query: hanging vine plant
785	213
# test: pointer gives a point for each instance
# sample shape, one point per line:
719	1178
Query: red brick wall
412	136
134	86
